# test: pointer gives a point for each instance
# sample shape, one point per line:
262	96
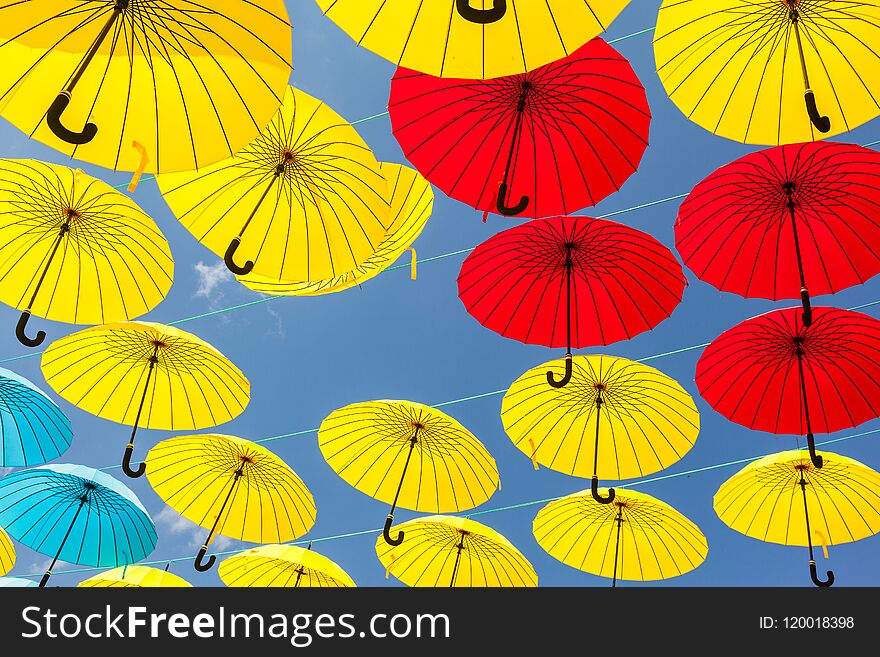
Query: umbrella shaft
137	418
517	128
65	228
797	244
803	485
617	545
800	361
63	542
87	59
412	445
797	37
596	446
247	223
457	560
238	474
569	266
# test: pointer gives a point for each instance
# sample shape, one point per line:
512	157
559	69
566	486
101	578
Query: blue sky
402	339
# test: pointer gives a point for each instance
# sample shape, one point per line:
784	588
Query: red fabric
750	373
734	230
624	282
584	131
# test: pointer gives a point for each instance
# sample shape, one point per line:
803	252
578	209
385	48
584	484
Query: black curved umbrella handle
230	262
815	458
387	533
207	565
481	16
20	334
822	123
126	464
815	577
510	211
808	309
53	120
594	489
551	378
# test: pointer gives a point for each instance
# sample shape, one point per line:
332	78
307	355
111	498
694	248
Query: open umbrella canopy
472	38
282	566
771	373
232	486
454	552
783	498
616	419
571	281
771	71
547	142
33	430
7	553
73	249
157	86
786	222
637	538
75	514
410	455
16	582
134	577
412	201
304	201
148	375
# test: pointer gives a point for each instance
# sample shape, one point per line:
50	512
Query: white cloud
5	471
175	524
211	277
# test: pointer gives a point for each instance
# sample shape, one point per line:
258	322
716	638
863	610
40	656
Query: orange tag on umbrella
823	541
388	568
534	449
145	159
414	263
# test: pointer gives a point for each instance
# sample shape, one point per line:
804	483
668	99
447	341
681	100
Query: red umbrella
544	143
773	374
573	281
774	221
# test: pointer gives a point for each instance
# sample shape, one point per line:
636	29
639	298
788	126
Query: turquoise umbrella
76	514
33	430
15	582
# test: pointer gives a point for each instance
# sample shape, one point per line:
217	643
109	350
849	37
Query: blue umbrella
76	514
33	430
13	582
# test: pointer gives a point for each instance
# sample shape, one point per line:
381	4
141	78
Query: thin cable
498	509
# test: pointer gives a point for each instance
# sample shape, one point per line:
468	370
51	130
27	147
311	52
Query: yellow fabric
412	202
282	566
732	66
103	370
367	445
428	553
113	264
432	37
648	421
656	541
764	500
322	217
135	577
192	82
194	474
7	553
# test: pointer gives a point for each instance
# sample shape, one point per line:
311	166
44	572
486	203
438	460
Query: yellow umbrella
451	551
233	486
371	444
412	202
146	375
637	537
616	416
305	201
759	71
156	86
73	249
134	577
474	39
282	565
7	553
840	502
